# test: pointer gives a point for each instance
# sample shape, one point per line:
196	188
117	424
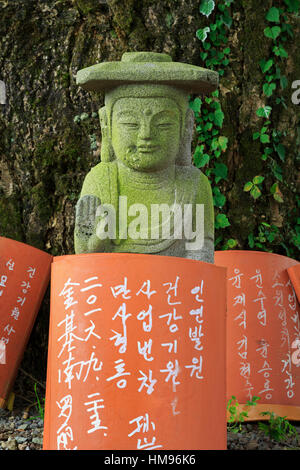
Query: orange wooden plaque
24	276
136	354
263	331
294	274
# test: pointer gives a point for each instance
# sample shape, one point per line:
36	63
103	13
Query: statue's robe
192	187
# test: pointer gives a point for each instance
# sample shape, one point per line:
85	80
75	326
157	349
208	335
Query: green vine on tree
274	151
211	144
278	31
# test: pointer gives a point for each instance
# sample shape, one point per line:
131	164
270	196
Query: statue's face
146	132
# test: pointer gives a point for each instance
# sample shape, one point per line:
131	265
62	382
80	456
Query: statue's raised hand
86	238
85	219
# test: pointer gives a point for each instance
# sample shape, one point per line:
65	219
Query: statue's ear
107	153
184	157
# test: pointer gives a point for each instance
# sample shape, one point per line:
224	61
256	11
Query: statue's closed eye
130	125
164	125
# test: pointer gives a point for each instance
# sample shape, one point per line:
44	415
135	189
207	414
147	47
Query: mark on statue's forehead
148	111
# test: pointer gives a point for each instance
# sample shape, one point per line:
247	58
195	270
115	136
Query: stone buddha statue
145	196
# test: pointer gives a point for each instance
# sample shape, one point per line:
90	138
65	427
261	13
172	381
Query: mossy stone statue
145	196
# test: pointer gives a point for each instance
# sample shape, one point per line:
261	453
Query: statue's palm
86	210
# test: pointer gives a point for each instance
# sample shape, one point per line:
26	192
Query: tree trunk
50	135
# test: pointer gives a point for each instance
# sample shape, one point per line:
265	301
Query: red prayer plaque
294	275
263	332
24	276
136	354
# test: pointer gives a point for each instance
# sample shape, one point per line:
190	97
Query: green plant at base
236	417
278	427
40	407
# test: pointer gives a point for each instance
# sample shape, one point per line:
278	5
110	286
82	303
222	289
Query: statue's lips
148	148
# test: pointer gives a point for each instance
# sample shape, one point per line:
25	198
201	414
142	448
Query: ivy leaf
273	32
270	77
277	171
268	88
273	188
280	52
264	138
283	81
196	105
218	197
278	197
214	144
227	20
221	221
265	65
255	192
280	149
206	7
218	117
248	186
273	15
293	5
267	151
258	179
251	240
264	111
220	170
200	159
207	127
231	243
222	140
202	33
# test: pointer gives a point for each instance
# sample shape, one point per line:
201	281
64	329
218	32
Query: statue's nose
145	131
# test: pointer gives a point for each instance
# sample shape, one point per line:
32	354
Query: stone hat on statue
147	68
